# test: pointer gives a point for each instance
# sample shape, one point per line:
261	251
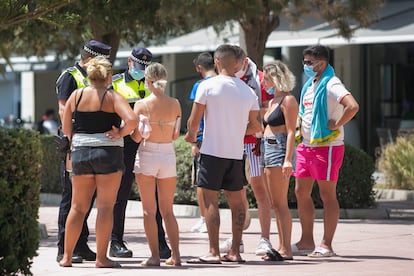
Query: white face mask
242	72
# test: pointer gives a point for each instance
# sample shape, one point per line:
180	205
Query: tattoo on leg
241	218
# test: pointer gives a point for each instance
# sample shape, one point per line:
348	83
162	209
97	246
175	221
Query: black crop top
276	118
94	121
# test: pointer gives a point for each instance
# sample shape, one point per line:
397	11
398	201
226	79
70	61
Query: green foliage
397	163
20	165
50	174
185	192
60	26
354	188
355	183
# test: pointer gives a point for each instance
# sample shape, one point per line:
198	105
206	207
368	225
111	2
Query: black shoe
85	252
76	259
119	250
165	251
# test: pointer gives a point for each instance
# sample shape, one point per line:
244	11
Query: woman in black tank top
92	118
278	143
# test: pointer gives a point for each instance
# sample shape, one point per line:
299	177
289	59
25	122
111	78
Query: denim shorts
274	150
97	160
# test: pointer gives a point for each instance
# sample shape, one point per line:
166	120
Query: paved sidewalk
363	247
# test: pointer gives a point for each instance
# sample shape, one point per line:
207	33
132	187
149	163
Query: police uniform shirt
128	79
66	83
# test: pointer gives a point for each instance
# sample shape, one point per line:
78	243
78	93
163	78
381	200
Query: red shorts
319	163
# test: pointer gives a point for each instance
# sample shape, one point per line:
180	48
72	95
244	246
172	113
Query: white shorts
156	159
253	162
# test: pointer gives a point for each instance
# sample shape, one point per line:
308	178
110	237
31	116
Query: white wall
27	96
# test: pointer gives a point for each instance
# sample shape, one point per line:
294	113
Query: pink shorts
156	159
319	163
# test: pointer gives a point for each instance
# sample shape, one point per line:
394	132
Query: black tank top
276	118
94	121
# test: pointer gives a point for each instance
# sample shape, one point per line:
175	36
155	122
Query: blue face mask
308	70
137	74
271	91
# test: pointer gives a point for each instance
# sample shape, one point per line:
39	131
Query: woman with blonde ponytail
155	163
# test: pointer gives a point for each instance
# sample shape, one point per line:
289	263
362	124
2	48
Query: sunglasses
310	62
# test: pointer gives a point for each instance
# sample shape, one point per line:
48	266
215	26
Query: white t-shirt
228	101
336	92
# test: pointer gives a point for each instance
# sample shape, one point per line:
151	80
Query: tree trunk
256	31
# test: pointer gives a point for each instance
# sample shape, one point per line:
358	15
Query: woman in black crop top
279	144
96	155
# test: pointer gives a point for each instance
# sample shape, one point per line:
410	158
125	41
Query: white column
27	96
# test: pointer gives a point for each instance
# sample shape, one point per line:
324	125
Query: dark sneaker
76	259
85	252
165	251
119	250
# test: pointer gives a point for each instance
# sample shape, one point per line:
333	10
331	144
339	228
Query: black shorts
97	160
217	173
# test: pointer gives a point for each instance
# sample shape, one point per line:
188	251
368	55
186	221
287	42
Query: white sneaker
226	246
196	228
263	247
203	228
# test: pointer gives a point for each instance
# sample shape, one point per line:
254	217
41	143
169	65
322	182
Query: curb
393	194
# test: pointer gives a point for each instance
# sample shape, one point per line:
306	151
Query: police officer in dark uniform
131	84
71	79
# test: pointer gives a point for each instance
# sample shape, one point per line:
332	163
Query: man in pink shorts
325	107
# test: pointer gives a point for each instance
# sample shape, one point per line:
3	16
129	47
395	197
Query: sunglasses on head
310	62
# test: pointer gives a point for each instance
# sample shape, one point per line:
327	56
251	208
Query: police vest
132	91
80	79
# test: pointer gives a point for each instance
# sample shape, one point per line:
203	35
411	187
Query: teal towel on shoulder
320	133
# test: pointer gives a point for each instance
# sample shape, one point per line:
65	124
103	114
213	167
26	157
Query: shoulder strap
77	102
281	101
76	109
103	97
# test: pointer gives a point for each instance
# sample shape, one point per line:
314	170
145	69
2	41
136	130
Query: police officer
71	79
131	84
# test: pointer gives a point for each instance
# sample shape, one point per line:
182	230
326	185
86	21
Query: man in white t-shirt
230	109
325	107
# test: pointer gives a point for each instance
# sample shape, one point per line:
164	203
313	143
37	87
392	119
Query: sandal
273	255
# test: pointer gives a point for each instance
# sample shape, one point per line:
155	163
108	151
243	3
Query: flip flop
299	252
321	252
273	255
204	260
227	259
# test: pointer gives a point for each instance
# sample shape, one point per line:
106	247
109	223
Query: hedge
354	188
20	167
